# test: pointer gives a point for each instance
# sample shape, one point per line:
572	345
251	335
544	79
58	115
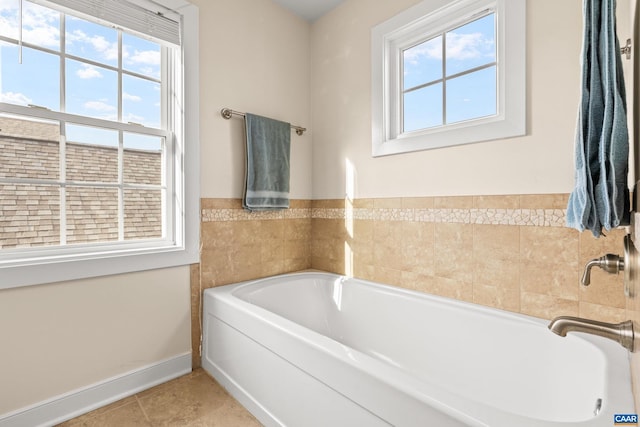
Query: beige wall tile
591	247
418	202
549	245
454	252
418	247
445	287
196	314
502	297
496	257
387	203
362	243
546	306
388	243
300	204
389	276
462	202
550	279
544	201
602	313
496	202
328	204
297	229
363	203
605	290
220	204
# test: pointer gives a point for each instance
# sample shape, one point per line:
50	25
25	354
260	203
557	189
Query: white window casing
31	266
417	24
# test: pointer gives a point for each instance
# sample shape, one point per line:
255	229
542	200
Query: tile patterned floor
194	400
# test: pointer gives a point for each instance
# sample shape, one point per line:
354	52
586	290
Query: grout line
142	409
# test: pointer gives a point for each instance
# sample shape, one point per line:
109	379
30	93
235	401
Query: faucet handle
614	264
610	263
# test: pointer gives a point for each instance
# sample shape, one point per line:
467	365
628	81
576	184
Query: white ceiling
309	9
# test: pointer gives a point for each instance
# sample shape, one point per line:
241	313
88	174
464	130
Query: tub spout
619	332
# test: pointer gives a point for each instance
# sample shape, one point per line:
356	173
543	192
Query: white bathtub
317	349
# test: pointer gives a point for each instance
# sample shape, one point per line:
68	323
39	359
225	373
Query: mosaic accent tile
526	217
217	215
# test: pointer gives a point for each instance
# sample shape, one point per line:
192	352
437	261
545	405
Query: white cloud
99	106
133	118
129	97
88	72
8	26
459	47
148	70
469	46
150	57
15	98
431	49
7	5
107	50
40	25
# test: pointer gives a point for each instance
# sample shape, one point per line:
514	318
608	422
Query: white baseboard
70	405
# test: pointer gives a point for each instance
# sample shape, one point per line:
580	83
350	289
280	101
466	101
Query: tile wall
508	252
237	245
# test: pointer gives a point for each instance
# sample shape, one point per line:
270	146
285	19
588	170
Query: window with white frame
94	122
448	76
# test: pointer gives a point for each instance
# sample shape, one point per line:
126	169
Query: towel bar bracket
227	113
626	49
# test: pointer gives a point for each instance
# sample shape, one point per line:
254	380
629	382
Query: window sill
510	125
56	269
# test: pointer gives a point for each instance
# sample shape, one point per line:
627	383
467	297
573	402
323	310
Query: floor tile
128	415
194	400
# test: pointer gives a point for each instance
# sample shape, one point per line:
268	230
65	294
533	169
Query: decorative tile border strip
214	215
527	217
530	217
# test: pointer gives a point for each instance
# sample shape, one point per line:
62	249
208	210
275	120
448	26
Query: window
448	76
97	128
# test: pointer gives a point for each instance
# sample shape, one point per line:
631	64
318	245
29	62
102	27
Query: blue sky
469	96
91	89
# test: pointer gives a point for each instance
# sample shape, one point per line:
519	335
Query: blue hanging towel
601	196
267	171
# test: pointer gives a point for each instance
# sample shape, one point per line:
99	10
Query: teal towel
601	196
267	173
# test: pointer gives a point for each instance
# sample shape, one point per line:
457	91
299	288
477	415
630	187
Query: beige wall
60	337
254	57
539	163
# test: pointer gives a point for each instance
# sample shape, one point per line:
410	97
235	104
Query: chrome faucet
619	332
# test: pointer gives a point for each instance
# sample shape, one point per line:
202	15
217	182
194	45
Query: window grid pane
30	215
29	149
124	196
422	64
91	41
471	45
423	108
92	214
468	89
472	95
142	214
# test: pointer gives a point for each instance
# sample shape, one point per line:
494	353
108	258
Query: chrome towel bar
227	113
